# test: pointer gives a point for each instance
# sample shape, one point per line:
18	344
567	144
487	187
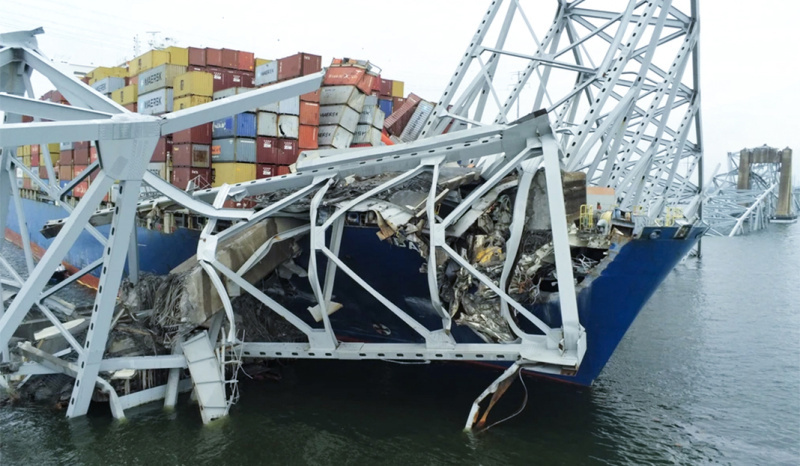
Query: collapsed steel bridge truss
622	85
614	120
733	206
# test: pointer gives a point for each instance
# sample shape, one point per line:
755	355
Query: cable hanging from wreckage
464	270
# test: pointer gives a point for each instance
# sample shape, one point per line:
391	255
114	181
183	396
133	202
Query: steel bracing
734	206
619	78
620	102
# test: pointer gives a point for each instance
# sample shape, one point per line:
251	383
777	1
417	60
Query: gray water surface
708	373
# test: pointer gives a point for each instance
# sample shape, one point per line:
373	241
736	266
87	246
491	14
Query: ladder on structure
207	368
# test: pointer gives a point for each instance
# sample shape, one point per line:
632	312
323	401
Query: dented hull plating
608	300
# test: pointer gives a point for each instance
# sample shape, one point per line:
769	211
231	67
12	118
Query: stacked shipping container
348	111
289	126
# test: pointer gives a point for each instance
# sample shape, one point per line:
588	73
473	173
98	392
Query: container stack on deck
289	126
355	107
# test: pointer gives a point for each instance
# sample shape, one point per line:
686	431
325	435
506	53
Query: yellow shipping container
147	61
189	101
397	88
197	83
26	160
102	72
178	55
22	151
54	156
126	95
262	61
232	173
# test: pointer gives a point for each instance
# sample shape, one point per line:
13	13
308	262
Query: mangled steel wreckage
474	245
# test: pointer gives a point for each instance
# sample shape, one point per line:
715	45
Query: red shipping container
247	61
197	57
386	87
81	155
213	57
282	170
398	120
34	157
309	113
196	67
264	171
287	151
160	153
226	79
35	151
65	158
27	184
77	170
310	97
191	155
43	172
92	154
182	175
307	138
266	150
230	59
297	65
131	107
81	145
397	102
370	84
343	76
199	135
27	119
80	189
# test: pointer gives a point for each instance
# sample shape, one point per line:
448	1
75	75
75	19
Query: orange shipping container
309	113
310	97
308	137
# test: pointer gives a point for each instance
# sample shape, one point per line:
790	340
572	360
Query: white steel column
110	278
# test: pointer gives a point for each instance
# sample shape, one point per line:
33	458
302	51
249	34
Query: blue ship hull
158	252
608	301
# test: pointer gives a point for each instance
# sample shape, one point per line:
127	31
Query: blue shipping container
386	106
63	184
241	125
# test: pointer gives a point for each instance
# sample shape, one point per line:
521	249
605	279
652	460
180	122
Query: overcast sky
749	69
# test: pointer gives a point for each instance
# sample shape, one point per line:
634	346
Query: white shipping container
341	115
267	124
156	102
371	115
267	73
417	121
159	169
159	77
370	100
334	136
338	95
367	134
66	146
108	85
272	108
290	106
289	126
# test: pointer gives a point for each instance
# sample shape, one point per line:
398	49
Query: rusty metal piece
497	389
